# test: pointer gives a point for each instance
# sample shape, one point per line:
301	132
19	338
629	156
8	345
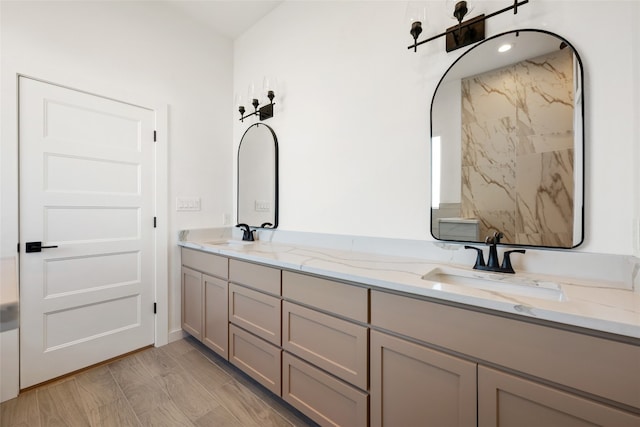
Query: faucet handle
506	261
479	257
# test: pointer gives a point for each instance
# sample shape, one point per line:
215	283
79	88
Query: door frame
10	157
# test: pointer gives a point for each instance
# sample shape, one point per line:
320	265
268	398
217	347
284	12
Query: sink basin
497	283
229	242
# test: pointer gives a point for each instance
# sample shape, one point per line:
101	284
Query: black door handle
37	247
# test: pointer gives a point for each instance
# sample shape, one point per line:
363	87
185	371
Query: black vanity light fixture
465	33
263	112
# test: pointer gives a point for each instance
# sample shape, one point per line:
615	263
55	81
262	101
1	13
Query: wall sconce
465	33
266	111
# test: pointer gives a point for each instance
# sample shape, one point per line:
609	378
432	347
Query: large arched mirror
507	143
258	177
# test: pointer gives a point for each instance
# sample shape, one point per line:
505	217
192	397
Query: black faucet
492	263
247	233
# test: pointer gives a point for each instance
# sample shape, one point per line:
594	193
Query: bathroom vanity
358	339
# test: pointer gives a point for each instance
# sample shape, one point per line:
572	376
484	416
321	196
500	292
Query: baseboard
176	335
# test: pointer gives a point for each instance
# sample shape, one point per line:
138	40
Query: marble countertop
553	298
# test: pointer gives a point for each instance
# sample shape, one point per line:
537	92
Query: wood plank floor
180	384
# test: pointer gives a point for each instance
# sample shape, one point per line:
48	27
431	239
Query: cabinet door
214	265
335	345
337	298
260	277
506	400
216	319
192	302
323	398
412	385
257	358
256	312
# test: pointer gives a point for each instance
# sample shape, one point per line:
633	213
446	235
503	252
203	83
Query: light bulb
240	100
252	95
416	12
269	84
416	17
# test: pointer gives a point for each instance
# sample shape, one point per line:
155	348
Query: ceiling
229	18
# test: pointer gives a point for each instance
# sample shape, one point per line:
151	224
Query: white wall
141	52
353	111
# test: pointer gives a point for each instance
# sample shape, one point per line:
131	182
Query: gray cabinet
412	385
322	397
192	302
255	312
511	401
344	354
215	334
255	316
256	357
595	367
325	336
204	299
334	345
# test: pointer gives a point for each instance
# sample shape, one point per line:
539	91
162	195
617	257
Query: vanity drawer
257	358
323	398
335	345
256	276
211	264
339	298
600	366
256	312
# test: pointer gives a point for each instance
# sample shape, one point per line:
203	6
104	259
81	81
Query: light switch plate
187	203
262	206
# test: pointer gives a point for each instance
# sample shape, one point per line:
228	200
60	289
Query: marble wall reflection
517	150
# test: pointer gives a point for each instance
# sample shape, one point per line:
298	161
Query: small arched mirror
507	143
258	177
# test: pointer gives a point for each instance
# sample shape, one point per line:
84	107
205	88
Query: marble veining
584	304
517	150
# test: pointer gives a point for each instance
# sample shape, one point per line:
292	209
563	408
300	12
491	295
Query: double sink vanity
356	338
359	339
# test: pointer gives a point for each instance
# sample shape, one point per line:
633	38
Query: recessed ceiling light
504	48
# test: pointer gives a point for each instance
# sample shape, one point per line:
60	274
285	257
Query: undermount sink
497	283
229	242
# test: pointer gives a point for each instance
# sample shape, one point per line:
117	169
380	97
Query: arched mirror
507	144
258	177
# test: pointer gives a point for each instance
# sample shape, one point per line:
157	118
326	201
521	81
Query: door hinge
155	136
18	247
155	308
155	222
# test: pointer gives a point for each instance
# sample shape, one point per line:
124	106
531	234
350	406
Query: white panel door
87	178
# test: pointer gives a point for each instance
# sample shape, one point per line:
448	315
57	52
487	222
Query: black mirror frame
582	142
276	177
